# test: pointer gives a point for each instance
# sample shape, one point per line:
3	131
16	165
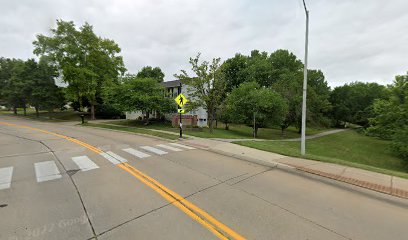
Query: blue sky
349	40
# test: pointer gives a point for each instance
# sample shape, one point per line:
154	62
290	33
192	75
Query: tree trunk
226	126
210	120
254	126
92	111
37	113
256	131
147	118
25	110
15	110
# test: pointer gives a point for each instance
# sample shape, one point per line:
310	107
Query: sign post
181	100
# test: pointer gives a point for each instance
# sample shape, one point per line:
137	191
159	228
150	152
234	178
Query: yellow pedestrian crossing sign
180	110
181	100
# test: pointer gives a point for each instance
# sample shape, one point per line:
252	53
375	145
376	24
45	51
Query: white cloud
349	40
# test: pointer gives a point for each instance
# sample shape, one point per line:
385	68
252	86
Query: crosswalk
48	170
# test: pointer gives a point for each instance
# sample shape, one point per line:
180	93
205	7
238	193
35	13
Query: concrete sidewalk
379	182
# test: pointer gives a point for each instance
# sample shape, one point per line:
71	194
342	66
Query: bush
108	111
399	144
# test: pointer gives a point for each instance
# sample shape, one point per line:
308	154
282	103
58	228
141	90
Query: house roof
174	83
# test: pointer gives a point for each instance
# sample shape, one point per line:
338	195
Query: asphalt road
59	181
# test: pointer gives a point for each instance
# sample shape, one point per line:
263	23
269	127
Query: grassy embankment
348	148
68	115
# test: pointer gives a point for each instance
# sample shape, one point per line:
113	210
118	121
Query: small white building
173	90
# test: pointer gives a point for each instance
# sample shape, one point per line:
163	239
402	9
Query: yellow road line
175	202
217	228
190	205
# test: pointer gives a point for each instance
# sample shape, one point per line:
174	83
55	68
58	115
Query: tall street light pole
303	137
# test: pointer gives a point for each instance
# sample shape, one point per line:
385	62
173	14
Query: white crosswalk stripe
182	146
5	177
84	163
154	150
170	148
113	157
45	171
136	153
48	170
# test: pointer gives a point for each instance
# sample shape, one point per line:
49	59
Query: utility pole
303	137
181	123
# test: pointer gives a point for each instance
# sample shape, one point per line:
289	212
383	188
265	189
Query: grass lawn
68	115
235	132
347	148
134	130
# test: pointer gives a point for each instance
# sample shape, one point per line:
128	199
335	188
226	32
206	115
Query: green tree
85	61
6	71
44	93
139	94
260	67
17	77
353	102
224	114
289	85
233	71
149	72
256	106
207	88
390	119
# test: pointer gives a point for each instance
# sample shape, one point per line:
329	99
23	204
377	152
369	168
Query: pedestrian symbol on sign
181	100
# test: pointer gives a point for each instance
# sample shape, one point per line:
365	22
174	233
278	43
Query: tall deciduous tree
139	94
390	119
352	102
256	106
29	82
149	72
16	83
233	71
6	71
85	61
206	88
44	93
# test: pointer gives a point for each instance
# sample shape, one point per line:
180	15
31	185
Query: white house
173	90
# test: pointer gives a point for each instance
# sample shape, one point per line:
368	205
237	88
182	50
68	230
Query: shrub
399	144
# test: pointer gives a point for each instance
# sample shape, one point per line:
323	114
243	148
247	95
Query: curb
396	192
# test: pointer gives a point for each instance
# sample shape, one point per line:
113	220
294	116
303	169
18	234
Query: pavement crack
76	187
165	205
253	175
134	218
70	177
72	172
214	185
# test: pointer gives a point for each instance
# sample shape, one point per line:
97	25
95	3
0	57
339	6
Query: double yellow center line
213	225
